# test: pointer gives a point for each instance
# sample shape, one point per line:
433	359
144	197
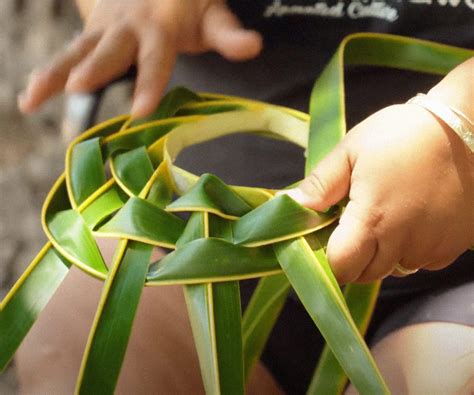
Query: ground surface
31	148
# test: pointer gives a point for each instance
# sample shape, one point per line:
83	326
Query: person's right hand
148	33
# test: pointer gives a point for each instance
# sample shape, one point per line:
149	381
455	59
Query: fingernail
305	199
296	194
22	101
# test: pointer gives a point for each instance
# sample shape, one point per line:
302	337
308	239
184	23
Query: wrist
457	88
454	118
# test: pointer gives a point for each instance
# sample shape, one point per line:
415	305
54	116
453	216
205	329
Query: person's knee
428	358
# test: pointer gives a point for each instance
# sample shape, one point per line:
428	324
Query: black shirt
324	23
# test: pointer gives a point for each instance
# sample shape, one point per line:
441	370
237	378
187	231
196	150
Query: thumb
223	32
327	184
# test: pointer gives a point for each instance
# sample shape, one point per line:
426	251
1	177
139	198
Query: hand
410	181
148	33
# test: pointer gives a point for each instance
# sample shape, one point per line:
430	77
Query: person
408	176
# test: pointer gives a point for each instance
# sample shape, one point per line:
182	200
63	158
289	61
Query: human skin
433	358
160	358
148	33
409	178
410	182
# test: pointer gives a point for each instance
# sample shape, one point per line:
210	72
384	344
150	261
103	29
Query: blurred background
32	147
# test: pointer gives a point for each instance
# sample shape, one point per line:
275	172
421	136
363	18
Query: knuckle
372	222
315	184
374	219
47	74
83	41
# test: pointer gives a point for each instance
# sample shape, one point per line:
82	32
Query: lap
161	343
160	355
432	357
403	303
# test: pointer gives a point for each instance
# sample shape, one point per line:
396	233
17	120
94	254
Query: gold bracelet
453	117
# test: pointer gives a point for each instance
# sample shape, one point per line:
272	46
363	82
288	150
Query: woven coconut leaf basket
121	182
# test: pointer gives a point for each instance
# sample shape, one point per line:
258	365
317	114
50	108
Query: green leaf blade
228	324
113	323
215	260
329	312
216	319
24	303
329	377
143	221
75	238
211	193
170	104
103	206
86	169
261	315
278	219
133	169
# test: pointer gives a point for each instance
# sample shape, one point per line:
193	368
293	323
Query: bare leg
160	358
430	358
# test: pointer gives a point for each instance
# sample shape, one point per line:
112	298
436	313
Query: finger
390	248
383	263
327	184
411	264
438	265
49	81
223	32
353	245
156	58
112	56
